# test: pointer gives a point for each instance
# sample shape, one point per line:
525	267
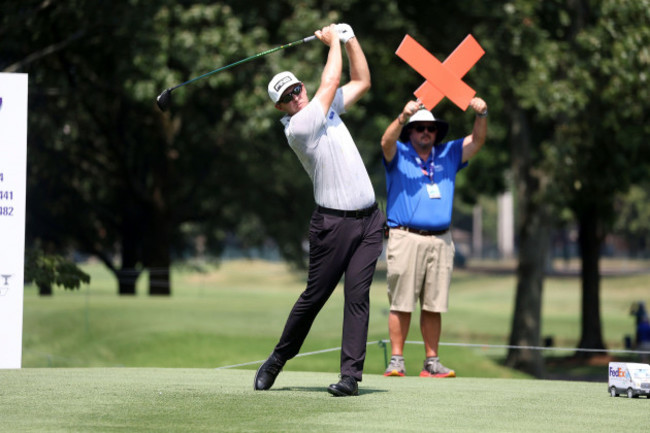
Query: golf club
165	98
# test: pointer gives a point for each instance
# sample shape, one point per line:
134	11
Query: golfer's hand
328	34
345	32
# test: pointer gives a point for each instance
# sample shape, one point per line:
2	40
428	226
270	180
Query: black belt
422	232
360	213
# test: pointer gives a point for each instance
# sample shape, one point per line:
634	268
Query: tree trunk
532	230
158	260
131	252
159	281
590	242
44	289
526	322
127	278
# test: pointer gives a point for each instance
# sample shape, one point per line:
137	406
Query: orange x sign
442	79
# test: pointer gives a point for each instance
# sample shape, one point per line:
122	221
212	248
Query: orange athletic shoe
433	368
395	367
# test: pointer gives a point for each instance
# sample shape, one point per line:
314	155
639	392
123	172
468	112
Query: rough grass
234	314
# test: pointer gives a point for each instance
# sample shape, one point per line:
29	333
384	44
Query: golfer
345	233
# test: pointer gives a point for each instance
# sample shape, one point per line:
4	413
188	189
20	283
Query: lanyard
428	173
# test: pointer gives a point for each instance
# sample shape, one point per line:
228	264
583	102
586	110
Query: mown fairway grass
207	400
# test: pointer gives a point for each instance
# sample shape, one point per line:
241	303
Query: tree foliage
46	270
112	176
633	220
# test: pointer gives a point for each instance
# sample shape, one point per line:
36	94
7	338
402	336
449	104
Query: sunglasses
289	96
421	128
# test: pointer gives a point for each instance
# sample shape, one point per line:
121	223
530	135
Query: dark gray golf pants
337	245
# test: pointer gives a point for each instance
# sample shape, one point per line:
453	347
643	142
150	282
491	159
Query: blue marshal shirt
409	203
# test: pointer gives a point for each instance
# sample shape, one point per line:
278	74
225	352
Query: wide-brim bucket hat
425	116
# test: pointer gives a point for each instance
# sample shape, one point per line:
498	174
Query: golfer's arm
331	77
359	82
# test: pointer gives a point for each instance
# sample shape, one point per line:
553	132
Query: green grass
154	360
207	400
235	313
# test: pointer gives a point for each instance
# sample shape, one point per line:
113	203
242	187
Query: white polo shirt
329	156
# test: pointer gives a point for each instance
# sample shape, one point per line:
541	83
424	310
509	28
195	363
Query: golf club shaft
264	53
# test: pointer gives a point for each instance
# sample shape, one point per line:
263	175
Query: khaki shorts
419	267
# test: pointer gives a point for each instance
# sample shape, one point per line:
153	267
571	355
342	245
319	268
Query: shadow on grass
362	391
581	368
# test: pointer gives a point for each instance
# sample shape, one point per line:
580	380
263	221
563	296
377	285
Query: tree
513	38
111	175
598	94
561	65
46	270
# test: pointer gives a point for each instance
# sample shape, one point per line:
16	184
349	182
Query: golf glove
345	32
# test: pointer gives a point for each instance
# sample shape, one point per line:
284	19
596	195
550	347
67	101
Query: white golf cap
279	83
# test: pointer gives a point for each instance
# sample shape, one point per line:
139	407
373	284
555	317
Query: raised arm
331	76
359	82
473	143
389	139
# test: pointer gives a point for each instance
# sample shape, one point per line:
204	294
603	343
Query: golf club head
164	99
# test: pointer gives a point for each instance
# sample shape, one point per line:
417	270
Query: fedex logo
616	372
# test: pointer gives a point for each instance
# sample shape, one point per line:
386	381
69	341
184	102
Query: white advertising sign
13	165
